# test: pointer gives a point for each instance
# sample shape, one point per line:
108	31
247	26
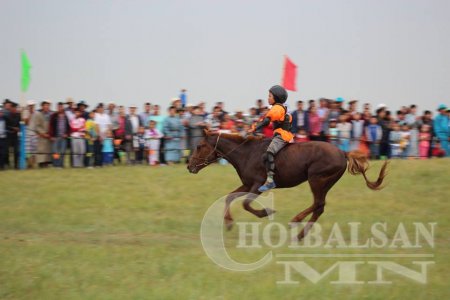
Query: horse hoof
293	224
300	237
270	211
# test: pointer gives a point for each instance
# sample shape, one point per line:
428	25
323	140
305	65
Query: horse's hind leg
253	194
319	187
227	218
303	214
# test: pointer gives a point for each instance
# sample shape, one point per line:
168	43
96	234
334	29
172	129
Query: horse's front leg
252	195
227	218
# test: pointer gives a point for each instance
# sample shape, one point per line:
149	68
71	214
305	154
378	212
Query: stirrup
267	186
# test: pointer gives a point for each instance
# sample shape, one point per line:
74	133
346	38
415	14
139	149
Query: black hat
279	93
82	102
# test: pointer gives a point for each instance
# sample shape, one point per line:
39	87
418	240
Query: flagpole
22	134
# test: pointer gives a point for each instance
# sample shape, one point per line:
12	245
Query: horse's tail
358	164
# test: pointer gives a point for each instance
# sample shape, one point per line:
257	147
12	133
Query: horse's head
204	154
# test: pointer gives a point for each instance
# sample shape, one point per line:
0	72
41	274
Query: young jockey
282	122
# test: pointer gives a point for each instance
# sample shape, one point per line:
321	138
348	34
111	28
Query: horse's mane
237	137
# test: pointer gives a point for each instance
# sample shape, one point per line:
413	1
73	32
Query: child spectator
344	133
78	128
153	136
424	141
91	135
118	153
405	140
301	136
395	137
240	127
374	133
357	131
245	129
437	150
224	128
227	123
139	145
108	149
333	133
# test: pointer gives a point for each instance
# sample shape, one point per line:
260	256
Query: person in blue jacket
441	128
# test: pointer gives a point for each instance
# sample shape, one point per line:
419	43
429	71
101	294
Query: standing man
146	114
173	132
70	109
259	107
441	128
323	111
384	122
196	126
59	131
340	104
299	118
412	121
103	122
28	116
132	124
44	145
3	140
13	128
159	119
352	107
6	107
113	115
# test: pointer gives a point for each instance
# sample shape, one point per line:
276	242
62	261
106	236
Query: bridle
219	155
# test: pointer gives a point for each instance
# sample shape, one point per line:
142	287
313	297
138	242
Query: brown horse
319	163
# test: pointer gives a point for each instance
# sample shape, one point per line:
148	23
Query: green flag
26	66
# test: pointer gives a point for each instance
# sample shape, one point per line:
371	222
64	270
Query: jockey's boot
270	166
268	185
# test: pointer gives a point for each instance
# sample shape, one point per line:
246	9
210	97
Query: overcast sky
384	51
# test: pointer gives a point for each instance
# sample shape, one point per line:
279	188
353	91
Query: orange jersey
277	114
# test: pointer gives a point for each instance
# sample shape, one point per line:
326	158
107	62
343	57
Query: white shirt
344	130
322	111
104	122
134	119
300	118
70	115
2	128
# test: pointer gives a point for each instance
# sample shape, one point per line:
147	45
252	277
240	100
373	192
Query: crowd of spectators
80	136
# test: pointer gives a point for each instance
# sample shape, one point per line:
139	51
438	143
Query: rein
220	155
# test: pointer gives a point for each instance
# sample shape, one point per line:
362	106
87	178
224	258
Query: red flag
289	75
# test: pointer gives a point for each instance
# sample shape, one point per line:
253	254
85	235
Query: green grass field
133	233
